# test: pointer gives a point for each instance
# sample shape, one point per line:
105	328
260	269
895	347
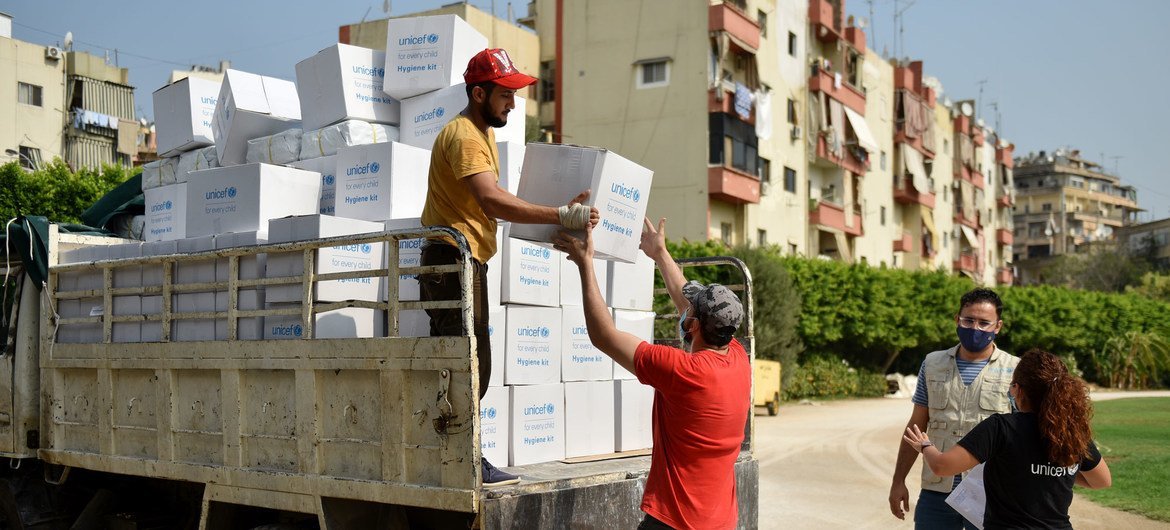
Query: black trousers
650	523
448	322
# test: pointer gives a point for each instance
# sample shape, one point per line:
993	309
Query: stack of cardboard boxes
346	151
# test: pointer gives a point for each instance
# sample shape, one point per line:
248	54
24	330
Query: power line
99	46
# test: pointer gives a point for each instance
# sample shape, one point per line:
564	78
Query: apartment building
1151	240
521	42
1065	201
32	98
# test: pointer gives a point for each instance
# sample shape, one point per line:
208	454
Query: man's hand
653	239
575	215
899	500
578	251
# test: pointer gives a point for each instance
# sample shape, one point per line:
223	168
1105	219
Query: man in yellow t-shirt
464	194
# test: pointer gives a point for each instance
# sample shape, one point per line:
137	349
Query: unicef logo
367	248
544	332
432	38
549	407
637	195
296	329
329	180
374	167
167	205
491	330
440	111
231	192
546	253
491	413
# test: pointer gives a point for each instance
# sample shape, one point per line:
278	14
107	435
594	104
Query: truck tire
774	405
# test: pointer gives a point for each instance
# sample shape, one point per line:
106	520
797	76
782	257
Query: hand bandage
574	216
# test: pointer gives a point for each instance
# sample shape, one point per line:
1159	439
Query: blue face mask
974	340
1012	402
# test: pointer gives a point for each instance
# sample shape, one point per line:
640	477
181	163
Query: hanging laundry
743	101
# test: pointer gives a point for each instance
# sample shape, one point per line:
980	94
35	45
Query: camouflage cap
717	308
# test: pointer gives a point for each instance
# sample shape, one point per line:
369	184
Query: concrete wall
27	125
944	192
877	192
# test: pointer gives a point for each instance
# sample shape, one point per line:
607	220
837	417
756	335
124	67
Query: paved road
828	466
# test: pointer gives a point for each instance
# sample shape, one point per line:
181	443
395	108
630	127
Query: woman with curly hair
1034	456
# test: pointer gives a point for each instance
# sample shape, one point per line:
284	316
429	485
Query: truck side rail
296	422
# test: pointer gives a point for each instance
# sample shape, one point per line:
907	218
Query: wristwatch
922	446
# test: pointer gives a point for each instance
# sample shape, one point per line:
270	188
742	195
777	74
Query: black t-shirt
1024	490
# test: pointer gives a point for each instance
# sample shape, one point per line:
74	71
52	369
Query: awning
843	247
861	129
912	160
970	235
928	224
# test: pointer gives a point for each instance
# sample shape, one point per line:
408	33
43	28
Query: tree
1101	268
54	191
1133	360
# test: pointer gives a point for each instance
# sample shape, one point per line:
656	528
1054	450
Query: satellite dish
68	40
967	108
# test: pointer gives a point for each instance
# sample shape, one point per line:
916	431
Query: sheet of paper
970	498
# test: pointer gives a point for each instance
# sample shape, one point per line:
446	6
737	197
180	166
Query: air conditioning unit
795	132
52	52
765	187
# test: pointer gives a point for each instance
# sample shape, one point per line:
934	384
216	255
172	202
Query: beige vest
955	408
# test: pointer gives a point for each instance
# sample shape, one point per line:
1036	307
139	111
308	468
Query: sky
1081	74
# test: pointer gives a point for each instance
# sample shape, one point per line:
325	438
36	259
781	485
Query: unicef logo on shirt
374	167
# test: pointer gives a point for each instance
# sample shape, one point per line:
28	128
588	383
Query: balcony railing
1003	276
732	185
1003	236
824	20
727	106
966	262
1003	155
824	81
725	16
1005	201
905	243
970	222
846	161
917	143
832	216
977	136
908	194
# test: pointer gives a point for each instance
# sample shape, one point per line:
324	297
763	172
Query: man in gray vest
957	388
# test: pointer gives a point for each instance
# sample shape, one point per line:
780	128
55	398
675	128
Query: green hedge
55	191
826	376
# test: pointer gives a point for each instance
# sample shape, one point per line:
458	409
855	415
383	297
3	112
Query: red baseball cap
494	65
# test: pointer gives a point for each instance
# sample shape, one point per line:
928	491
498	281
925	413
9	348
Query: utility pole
979	98
899	27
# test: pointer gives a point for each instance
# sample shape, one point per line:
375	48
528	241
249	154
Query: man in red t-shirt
701	396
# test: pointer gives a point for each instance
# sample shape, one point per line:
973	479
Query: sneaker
492	476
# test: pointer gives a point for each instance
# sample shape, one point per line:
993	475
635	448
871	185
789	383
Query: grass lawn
1134	437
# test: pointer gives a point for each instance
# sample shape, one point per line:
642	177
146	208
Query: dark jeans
933	512
650	523
448	322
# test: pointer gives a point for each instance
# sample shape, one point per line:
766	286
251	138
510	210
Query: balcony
727	106
1003	155
825	20
966	263
847	161
970	222
977	136
732	185
907	194
853	98
1004	201
976	179
856	37
744	31
1003	276
1003	236
905	243
963	124
916	143
969	175
832	217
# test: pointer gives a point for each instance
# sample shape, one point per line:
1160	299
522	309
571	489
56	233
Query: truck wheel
774	405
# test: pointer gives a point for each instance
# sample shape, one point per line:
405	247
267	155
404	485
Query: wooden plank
607	456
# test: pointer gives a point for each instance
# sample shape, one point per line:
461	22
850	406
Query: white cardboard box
126	276
631	285
538	424
571	292
530	274
425	115
345	323
414	323
250	106
346	258
244	198
637	323
515	131
327	167
633	415
327	140
428	53
166	212
511	162
554	174
589	418
152	275
189	271
182	114
250	268
495	267
384	181
533	345
344	82
494	438
497	329
409	255
580	360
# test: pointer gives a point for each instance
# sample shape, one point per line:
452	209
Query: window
883	161
1046	207
762	19
792	249
725	232
654	73
548	79
790	180
28	94
883	215
30	158
792	112
765	170
762	237
792	44
743	155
